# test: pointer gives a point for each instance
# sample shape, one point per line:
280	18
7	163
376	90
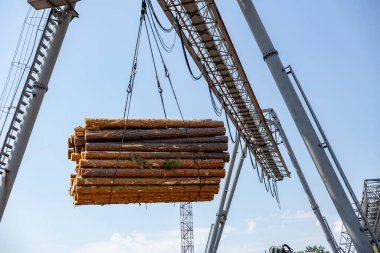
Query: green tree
315	248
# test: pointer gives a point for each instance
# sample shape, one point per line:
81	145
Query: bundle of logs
121	161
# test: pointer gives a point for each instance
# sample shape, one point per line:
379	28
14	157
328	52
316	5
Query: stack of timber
121	161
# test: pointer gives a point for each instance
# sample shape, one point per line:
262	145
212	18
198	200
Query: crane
205	37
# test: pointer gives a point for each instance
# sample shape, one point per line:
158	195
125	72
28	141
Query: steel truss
370	205
205	37
31	97
187	232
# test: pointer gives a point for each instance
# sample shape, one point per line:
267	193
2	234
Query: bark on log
80	141
69	152
75	157
107	197
157	147
159	164
79	149
154	155
143	200
143	173
147	181
99	123
79	131
143	134
180	189
70	141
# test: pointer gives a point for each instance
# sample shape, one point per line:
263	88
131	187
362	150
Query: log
69	152
154	155
80	141
75	157
180	189
79	131
99	123
143	134
159	164
156	147
78	149
143	173
147	181
107	196
70	141
143	200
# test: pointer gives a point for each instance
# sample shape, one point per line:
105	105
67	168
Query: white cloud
251	225
136	242
302	215
133	243
337	226
299	215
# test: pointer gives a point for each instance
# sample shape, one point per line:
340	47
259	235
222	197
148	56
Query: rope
167	73
155	69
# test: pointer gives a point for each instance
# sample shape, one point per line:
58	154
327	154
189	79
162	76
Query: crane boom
206	38
36	85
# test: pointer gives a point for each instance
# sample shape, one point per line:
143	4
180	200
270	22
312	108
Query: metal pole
305	185
229	200
219	215
335	159
306	129
32	110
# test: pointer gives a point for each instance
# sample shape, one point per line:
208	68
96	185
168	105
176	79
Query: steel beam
314	206
219	215
306	129
31	112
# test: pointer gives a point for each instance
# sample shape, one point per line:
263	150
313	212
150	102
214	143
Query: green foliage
138	160
171	164
315	248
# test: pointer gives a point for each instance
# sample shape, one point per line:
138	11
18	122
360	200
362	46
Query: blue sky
333	47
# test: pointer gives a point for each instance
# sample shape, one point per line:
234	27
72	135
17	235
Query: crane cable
167	73
155	20
185	55
218	112
24	59
151	10
128	99
154	65
132	75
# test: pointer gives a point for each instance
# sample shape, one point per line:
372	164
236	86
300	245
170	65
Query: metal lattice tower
371	203
371	206
187	232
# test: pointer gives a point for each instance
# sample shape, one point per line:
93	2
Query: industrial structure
205	38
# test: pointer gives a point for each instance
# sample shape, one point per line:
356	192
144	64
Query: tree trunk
146	173
180	189
135	200
154	155
91	123
147	181
143	134
159	164
157	147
